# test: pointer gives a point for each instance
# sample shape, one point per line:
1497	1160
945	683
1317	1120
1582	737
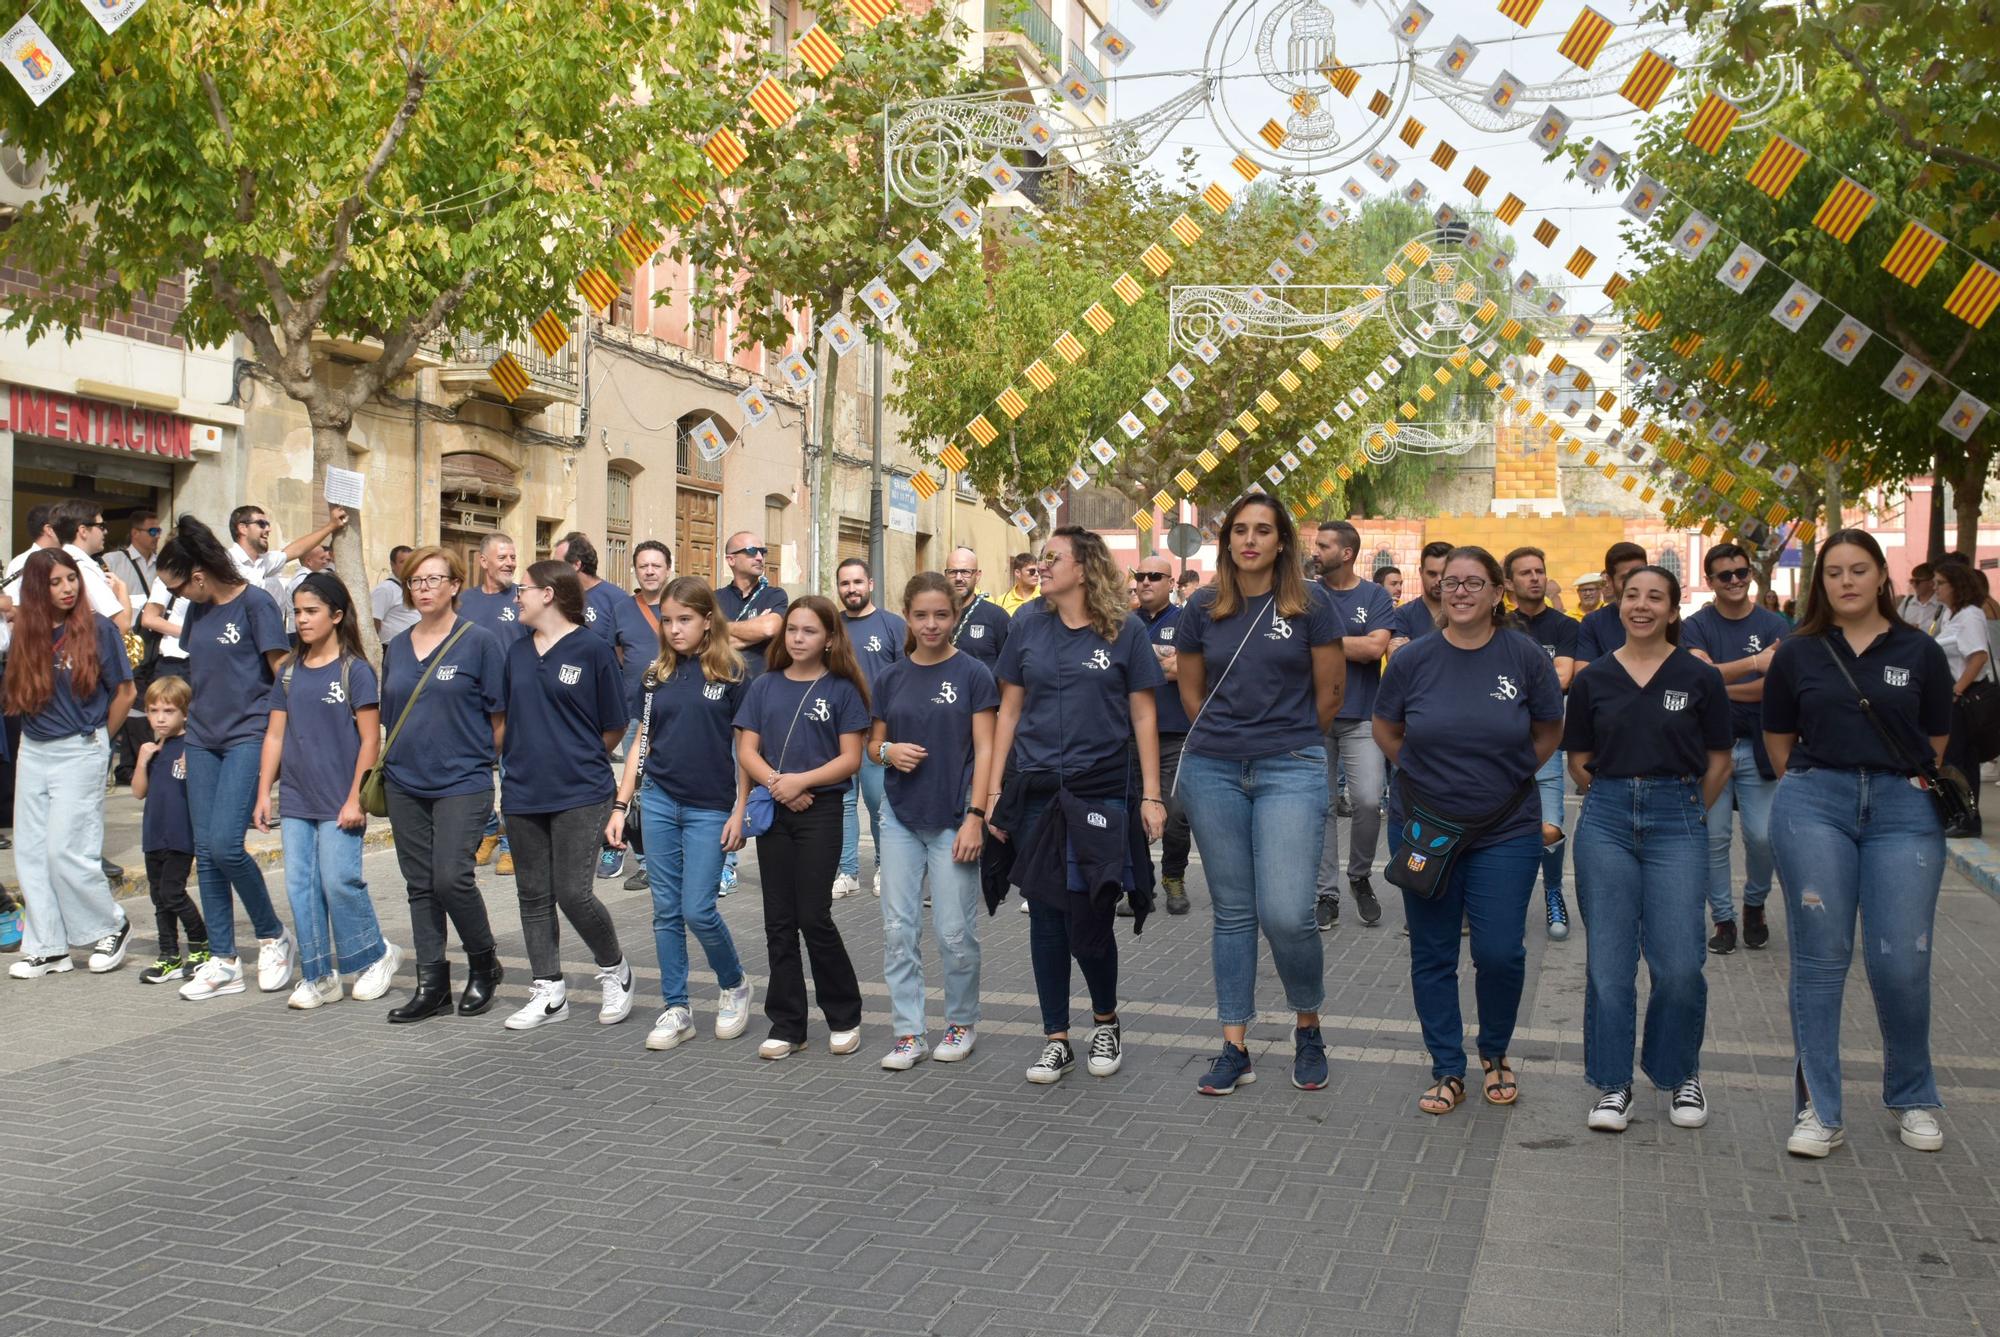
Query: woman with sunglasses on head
1467	717
1076	693
1261	672
235	635
444	701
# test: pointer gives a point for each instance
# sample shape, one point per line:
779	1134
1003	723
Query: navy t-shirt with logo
984	627
67	717
226	646
1267	703
823	709
167	824
1664	730
1365	608
932	705
737	606
446	746
1467	718
1905	677
1554	630
1602	632
560	704
615	616
498	613
878	642
1078	712
322	740
1164	629
691	739
1725	640
1412	621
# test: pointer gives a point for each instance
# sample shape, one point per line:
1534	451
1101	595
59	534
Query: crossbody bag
760	809
1950	794
375	784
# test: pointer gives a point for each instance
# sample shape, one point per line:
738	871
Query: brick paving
235	1167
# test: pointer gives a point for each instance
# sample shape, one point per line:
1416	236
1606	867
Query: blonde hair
175	692
453	564
1104	597
720	660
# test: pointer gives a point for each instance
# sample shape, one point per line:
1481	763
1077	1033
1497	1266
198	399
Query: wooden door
697	516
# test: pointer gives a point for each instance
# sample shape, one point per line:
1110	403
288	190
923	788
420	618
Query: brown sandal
1500	1086
1443	1097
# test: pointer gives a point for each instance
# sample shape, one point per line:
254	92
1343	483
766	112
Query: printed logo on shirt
571	674
712	691
1281	630
1098	660
1895	677
1166	633
1508	690
446	672
1360	618
181	767
820	710
874	646
1675	700
947	694
335	694
1754	644
507	612
978	631
589	613
231	634
1551	649
1096	819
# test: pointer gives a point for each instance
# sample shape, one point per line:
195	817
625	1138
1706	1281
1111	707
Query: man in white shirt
393	614
133	563
77	527
164	614
257	562
1921	607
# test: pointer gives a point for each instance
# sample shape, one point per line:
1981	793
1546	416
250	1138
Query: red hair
31	664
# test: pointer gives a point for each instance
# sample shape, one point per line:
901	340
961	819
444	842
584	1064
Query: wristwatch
882	754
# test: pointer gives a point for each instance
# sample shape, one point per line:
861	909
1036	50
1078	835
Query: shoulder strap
786	746
1920	766
425	677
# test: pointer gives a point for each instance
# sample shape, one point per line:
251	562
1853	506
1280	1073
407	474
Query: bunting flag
1245	168
1156	259
1379	103
1847	206
1012	403
1186	231
1777	167
508	378
637	246
551	332
1412	131
1273	134
1510	209
1546	232
1186	480
819	51
1711	123
1216	197
1128	289
1521	11
725	150
774	102
1476	182
1069	347
1580	263
1344	78
953	458
1617	284
1648	80
599	289
1039	375
1976	295
1098	318
1586	38
1911	258
871	12
1444	155
982	431
924	485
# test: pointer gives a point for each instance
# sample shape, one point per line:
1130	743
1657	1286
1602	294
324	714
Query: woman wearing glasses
1467	717
444	699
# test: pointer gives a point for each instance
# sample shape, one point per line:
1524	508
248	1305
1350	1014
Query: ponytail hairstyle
1673	596
331	591
930	582
1494	580
839	658
31	664
193	548
720	660
560	579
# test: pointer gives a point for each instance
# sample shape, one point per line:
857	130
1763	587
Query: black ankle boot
433	995
483	975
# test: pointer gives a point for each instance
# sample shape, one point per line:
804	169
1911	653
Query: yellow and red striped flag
871	12
598	288
1379	103
1142	520
1039	375
1580	263
551	332
952	458
1207	460
1156	259
1846	208
1412	131
1911	258
1777	167
1521	11
1290	380
924	485
693	202
1186	231
1416	253
1309	359
1510	209
1344	78
1649	321
1227	440
1012	402
1487	310
725	150
508	378
1711	123
1267	401
1163	499
1246	169
1216	197
981	430
1444	155
1304	103
1394	273
1127	288
1098	318
1556	364
1476	182
1510	330
1687	344
1546	232
1186	479
1273	134
1619	283
1069	346
1649	78
1976	295
638	247
1586	38
773	101
1248	422
819	51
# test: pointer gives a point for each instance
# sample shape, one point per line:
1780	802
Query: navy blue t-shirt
66	717
823	708
691	742
878	642
498	613
1163	627
1412	621
737	606
1905	677
983	629
560	704
1078	714
1554	630
446	747
614	615
1467	718
167	824
1365	608
226	645
932	705
1725	641
1664	730
1265	705
322	740
1602	632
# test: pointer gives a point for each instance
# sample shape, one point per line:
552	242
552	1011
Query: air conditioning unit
21	181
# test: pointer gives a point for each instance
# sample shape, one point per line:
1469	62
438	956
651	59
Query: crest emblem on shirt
1281	630
231	634
1096	819
1895	677
571	674
947	694
336	695
978	632
820	710
181	767
589	613
446	672
1507	690
712	691
1098	660
1675	700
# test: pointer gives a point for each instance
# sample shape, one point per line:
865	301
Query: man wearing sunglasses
754	606
260	565
133	563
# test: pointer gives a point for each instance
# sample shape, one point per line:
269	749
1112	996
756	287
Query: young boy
159	776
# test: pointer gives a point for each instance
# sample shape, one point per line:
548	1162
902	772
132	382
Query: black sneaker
1056	1060
639	880
1343	806
165	970
1724	941
1613	1112
1756	933
1326	912
1177	897
1365	902
1107	1050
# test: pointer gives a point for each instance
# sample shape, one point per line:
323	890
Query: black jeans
173	909
436	839
555	863
1958	752
796	861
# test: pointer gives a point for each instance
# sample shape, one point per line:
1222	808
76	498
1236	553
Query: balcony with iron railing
1028	19
464	362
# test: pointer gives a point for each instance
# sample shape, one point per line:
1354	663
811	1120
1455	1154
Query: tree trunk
330	450
1970	494
1934	544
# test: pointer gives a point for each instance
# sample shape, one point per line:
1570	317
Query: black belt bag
1432	839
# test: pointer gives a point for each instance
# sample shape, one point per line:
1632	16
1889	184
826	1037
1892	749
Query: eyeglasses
94	524
1463	584
1150	576
1735	576
748	552
961	571
427	582
525	588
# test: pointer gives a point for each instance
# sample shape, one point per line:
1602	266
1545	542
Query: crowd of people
1038	741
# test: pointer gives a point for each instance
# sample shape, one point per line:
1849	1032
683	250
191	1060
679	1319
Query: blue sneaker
10	930
610	862
1558	915
1308	1059
1229	1070
728	879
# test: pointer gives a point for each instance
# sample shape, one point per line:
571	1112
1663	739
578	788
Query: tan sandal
1501	1089
1443	1097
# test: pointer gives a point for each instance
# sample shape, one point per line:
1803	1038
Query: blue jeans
323	883
1640	849
1549	786
869	789
222	793
1489	886
1750	794
686	872
1864	842
906	856
1259	825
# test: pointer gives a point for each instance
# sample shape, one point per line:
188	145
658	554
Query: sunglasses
153	530
1150	576
261	524
748	552
1741	575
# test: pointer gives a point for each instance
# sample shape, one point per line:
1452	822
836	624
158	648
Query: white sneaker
878	882
1612	1113
617	1002
309	994
274	962
732	1012
218	975
1690	1104
675	1025
775	1049
1024	905
373	982
844	886
956	1044
1921	1130
1812	1138
108	952
844	1042
907	1053
34	967
548	1000
1107	1050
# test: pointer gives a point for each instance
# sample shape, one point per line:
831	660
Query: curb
268	852
1978	860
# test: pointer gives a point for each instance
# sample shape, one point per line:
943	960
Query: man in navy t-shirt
1602	632
878	637
1556	632
614	617
489	602
1162	616
753	606
1419	617
982	622
1364	612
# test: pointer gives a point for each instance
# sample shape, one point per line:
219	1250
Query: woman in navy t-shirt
688	804
565	712
69	683
1854	832
1649	744
1467	717
234	634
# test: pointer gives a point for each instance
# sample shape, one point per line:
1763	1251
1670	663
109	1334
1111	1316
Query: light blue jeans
1866	843
907	855
685	873
869	789
222	793
1640	849
58	836
1549	786
332	916
1750	794
1258	825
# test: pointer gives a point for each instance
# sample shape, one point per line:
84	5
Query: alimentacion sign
91	422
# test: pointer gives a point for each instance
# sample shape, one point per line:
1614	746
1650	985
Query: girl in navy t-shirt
799	735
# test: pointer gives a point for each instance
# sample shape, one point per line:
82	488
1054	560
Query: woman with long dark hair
70	684
234	634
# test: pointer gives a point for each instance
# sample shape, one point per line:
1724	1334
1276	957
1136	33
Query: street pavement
234	1167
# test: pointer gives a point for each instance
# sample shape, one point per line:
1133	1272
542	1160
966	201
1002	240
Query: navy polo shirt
932	705
737	606
1663	730
1357	612
1467	718
691	743
322	740
1266	704
814	714
498	613
1413	621
1725	640
446	746
65	716
226	645
1903	674
1077	715
167	824
1163	627
984	626
878	641
560	704
1552	629
1601	632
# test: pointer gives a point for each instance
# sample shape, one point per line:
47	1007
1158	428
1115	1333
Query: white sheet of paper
343	488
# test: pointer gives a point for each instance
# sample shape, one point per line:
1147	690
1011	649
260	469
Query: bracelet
620	806
975	810
1162	802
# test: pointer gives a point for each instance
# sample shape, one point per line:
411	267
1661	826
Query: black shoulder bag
1433	839
1947	787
